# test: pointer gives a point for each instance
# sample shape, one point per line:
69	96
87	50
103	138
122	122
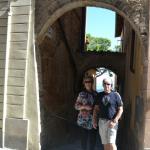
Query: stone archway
130	10
54	10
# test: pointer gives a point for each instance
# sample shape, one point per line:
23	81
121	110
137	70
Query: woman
85	104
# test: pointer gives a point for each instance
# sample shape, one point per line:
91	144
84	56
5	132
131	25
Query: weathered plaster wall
133	118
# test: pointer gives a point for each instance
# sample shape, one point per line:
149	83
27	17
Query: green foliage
97	44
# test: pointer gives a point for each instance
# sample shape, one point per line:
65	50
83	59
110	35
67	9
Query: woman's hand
85	107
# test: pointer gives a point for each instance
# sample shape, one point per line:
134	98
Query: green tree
97	43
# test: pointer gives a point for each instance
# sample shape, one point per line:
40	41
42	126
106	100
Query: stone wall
58	80
133	118
134	11
16	65
20	104
3	37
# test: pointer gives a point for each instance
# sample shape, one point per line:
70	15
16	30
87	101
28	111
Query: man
109	106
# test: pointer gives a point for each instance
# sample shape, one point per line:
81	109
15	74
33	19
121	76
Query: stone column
15	123
3	37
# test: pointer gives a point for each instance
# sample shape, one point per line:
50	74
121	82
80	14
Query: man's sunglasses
106	83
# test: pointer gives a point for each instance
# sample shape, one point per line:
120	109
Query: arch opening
63	67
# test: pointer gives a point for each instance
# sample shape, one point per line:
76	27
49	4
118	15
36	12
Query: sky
100	22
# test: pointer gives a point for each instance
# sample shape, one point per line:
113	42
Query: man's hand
112	123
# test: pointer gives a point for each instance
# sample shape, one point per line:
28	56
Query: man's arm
95	112
119	113
118	116
120	108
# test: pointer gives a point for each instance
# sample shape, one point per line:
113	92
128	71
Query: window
98	30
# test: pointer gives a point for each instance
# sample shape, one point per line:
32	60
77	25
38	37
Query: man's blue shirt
108	104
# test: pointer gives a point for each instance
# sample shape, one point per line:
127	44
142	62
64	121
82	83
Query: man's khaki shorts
108	135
